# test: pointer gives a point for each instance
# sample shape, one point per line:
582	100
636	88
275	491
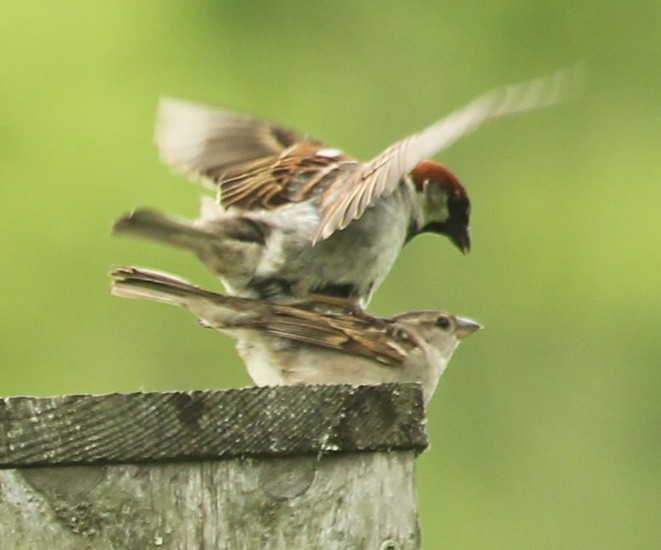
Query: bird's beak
461	238
466	327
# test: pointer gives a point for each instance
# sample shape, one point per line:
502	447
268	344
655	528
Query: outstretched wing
347	199
253	163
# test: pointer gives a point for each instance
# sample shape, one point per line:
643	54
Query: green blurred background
546	428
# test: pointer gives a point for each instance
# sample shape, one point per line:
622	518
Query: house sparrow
283	344
296	218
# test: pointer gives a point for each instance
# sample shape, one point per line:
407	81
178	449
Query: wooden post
285	467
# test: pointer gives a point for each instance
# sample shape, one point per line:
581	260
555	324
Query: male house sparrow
283	344
295	218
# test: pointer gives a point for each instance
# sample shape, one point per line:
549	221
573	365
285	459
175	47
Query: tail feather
231	247
159	227
211	308
131	282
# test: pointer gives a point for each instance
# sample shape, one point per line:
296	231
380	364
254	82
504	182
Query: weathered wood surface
288	467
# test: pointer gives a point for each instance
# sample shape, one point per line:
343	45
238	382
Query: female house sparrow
297	345
296	218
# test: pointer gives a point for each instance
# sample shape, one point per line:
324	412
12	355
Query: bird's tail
132	282
154	225
211	308
230	247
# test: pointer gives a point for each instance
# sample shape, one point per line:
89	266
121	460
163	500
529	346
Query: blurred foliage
545	429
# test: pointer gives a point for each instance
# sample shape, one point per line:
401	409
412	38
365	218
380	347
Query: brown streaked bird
282	344
295	218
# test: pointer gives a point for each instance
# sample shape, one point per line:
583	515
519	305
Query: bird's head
437	335
440	329
445	203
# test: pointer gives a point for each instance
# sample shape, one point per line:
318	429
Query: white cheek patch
436	207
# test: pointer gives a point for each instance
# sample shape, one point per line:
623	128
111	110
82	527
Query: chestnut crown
447	206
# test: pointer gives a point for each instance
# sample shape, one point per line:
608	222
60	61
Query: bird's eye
443	322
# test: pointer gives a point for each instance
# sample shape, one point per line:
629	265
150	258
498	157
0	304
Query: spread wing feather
206	141
253	163
347	199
